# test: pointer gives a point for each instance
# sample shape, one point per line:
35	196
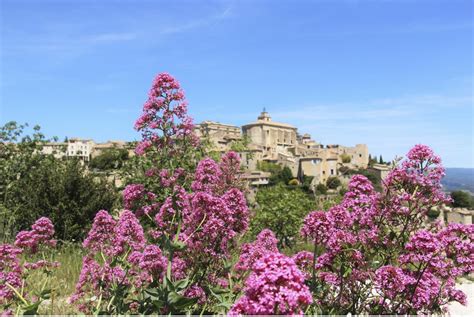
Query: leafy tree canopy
281	210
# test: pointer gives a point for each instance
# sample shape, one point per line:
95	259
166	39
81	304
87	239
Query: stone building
220	135
280	143
80	148
57	149
380	170
272	137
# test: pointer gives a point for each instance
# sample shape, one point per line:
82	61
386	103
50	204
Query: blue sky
390	74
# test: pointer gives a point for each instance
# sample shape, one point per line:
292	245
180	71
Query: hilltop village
280	143
264	141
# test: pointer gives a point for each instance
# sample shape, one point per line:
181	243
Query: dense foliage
110	159
462	199
333	182
281	209
279	174
177	250
34	185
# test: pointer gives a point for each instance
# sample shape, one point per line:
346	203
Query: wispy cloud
206	21
105	38
64	43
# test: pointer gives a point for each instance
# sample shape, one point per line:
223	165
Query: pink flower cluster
276	286
217	178
107	241
216	212
164	122
42	233
137	199
14	270
251	252
418	266
11	271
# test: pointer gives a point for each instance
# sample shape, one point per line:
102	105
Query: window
332	171
360	155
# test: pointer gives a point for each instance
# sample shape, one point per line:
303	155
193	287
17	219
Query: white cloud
197	23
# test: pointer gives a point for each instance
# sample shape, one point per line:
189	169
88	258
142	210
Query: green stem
17	294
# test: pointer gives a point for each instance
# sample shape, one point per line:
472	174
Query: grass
62	281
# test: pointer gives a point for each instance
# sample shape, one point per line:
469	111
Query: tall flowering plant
376	253
18	261
172	244
169	149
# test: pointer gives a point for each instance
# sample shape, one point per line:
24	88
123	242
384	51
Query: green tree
462	199
281	210
306	183
333	182
241	145
268	167
33	185
109	159
286	175
381	160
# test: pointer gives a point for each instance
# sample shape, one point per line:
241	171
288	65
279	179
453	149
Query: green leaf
31	309
181	284
46	294
178	246
347	272
179	301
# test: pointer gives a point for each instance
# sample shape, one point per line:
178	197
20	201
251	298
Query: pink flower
128	234
276	286
207	176
304	261
251	252
152	260
101	235
316	227
392	281
196	291
41	234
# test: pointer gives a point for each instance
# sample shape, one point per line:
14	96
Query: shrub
281	210
109	159
178	252
364	246
346	158
321	189
333	182
293	182
462	199
37	185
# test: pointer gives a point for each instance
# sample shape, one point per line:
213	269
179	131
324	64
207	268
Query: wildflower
101	234
251	252
276	286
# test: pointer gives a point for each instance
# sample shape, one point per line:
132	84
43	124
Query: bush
333	182
109	159
321	189
179	253
346	158
38	185
462	199
293	182
281	210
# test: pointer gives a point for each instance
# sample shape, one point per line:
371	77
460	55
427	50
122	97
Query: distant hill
459	179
